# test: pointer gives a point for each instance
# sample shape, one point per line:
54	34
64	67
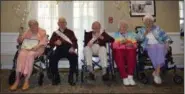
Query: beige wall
9	21
166	16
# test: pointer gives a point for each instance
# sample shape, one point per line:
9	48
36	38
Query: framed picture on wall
141	8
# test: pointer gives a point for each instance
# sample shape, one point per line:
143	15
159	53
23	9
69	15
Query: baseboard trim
6	67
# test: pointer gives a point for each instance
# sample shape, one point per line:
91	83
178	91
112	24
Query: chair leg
77	73
82	73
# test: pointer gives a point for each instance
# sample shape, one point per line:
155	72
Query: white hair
62	19
94	23
32	21
122	22
148	16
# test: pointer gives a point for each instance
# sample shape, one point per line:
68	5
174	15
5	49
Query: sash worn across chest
94	38
63	36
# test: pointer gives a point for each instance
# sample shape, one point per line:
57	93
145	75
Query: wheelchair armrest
48	46
108	45
17	46
171	41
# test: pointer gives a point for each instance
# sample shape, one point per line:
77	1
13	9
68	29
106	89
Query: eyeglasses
62	22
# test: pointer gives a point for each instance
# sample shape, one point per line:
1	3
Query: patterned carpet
98	86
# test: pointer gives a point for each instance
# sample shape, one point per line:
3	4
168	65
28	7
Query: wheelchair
95	63
37	67
144	60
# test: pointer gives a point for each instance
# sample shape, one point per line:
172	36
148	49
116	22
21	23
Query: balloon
117	4
21	13
24	14
23	19
18	5
17	14
14	7
25	10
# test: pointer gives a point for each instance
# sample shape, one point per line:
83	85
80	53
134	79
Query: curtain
84	14
79	16
46	13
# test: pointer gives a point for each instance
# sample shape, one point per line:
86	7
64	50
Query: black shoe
105	77
91	76
72	83
56	79
49	74
71	80
54	83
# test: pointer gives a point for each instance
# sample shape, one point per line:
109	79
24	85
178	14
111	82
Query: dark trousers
63	52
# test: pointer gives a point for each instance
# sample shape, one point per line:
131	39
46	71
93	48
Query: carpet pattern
97	86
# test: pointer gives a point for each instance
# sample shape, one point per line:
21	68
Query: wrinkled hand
123	41
147	31
89	44
129	45
71	50
101	37
35	48
20	39
167	46
58	42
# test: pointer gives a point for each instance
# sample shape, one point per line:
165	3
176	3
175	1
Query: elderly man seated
95	44
65	42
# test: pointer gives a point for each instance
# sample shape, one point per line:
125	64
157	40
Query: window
48	15
181	11
84	14
79	15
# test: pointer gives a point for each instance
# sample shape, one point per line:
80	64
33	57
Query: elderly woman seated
124	51
155	41
26	56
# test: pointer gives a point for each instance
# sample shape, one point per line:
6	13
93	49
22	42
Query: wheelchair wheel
141	76
82	73
113	77
40	80
48	70
49	74
77	77
12	77
178	79
144	80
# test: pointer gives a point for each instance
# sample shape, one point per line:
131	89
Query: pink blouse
41	36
